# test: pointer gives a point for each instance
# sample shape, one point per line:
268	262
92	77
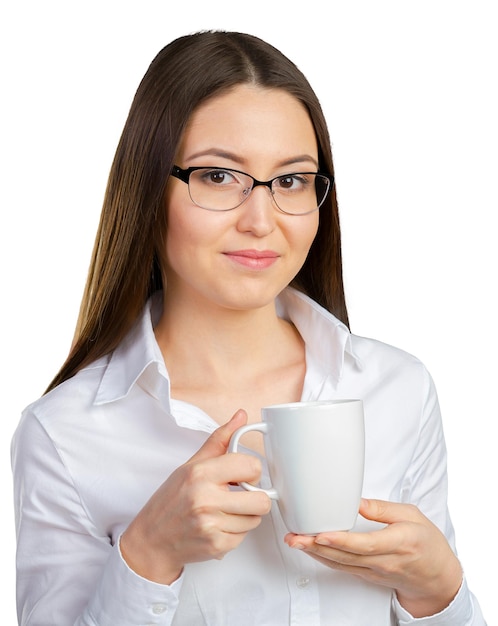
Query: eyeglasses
222	189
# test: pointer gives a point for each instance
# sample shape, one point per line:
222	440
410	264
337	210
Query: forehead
250	123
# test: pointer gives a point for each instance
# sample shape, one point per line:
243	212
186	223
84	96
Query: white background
410	93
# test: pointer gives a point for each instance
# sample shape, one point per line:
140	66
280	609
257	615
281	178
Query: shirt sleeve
463	611
426	485
68	572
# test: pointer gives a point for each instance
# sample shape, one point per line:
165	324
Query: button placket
159	609
303	581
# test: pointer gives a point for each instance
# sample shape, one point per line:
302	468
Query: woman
216	283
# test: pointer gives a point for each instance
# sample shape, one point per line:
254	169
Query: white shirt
88	455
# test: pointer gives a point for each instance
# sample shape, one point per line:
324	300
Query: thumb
218	441
388	512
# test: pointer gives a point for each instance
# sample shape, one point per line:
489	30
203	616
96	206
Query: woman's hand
194	516
410	555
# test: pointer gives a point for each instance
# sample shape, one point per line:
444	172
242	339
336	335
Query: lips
254	259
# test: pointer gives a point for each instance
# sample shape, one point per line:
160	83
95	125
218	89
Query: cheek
192	236
181	237
314	227
181	231
305	232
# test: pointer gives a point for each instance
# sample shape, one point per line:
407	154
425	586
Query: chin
247	300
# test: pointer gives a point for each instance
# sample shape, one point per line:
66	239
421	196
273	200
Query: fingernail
297	546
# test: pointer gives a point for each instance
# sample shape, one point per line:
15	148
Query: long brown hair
124	269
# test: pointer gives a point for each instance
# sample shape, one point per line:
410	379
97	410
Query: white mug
315	453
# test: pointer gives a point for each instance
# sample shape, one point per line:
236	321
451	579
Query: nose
257	213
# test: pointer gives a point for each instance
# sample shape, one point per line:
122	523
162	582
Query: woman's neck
225	360
216	340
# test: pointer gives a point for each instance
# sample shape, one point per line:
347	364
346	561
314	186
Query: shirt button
158	609
303	582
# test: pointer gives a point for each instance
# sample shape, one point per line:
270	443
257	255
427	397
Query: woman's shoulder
72	397
368	347
375	354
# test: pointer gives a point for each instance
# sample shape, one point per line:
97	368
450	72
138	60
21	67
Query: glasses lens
219	189
300	193
224	189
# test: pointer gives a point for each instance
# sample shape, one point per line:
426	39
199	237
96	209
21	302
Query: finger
217	443
335	558
340	546
397	517
237	524
370	544
247	503
389	512
231	469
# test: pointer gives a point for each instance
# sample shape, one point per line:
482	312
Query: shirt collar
328	340
138	359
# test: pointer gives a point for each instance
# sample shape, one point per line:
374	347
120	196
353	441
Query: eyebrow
224	154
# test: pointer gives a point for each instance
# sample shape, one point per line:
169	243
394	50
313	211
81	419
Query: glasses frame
184	176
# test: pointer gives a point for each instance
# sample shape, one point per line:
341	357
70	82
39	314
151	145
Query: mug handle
234	447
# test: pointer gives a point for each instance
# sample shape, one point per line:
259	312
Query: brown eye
292	182
286	182
217	177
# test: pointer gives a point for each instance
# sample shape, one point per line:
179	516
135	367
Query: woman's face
243	258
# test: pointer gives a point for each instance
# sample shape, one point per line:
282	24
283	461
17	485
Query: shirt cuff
125	598
459	611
